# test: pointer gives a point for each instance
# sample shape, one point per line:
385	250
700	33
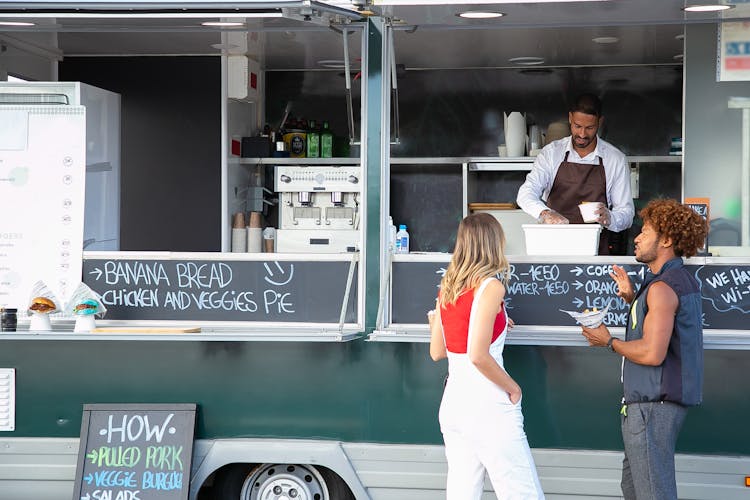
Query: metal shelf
294	161
509	164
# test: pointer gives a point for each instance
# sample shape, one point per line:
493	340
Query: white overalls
483	430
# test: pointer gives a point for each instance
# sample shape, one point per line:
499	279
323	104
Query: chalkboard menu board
135	452
537	292
212	290
726	296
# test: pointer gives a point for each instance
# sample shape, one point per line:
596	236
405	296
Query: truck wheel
293	482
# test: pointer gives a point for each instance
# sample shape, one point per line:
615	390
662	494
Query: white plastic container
391	235
562	239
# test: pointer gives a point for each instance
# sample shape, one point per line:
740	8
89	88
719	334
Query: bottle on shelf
402	239
295	137
313	141
326	143
391	235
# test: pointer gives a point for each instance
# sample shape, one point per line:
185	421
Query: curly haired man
662	371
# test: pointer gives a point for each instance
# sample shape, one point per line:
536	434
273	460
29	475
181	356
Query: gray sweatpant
649	432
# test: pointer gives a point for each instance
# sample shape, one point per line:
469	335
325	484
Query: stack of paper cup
269	239
253	239
239	239
239	233
254	232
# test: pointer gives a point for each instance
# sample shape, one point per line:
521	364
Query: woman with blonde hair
480	414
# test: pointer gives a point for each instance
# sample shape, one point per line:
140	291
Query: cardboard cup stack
239	233
269	239
254	232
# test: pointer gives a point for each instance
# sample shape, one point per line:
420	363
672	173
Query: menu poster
701	206
42	190
733	58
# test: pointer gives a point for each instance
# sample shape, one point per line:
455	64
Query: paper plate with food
590	318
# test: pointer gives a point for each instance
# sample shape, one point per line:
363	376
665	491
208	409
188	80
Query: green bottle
313	141
326	142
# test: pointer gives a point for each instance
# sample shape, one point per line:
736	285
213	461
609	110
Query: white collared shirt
533	194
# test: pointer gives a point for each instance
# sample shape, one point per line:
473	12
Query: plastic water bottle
402	240
391	235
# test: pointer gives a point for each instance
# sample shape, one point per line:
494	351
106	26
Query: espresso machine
318	208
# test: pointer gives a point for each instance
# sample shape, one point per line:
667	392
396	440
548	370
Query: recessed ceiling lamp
143	15
15	23
707	8
478	14
605	39
225	46
333	63
526	60
468	2
223	24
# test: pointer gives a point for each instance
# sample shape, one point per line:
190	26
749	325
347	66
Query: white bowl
588	210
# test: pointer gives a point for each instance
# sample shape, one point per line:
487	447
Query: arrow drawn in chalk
282	274
98	273
441	272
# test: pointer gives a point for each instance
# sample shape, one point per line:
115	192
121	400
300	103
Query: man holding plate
662	370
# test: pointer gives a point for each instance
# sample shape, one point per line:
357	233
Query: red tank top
455	319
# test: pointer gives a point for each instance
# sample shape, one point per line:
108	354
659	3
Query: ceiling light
478	14
332	63
527	60
678	57
707	8
223	24
468	2
15	23
681	36
144	15
605	39
224	46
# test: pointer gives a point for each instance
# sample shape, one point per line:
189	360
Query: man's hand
604	215
624	283
597	337
548	216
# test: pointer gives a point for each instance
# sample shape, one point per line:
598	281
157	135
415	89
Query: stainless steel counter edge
566	259
238	256
557	336
307	333
569	259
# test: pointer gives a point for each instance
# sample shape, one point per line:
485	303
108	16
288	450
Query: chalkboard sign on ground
231	290
135	452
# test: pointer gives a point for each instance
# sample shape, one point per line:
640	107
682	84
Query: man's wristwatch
609	344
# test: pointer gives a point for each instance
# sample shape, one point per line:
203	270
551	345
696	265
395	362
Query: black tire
228	481
337	487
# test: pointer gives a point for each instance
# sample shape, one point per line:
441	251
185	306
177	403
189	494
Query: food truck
251	274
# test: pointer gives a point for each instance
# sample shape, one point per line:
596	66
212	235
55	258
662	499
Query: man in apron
580	168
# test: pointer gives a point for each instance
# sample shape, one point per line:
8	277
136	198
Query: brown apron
577	182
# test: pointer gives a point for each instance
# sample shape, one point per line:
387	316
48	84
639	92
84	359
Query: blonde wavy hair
479	254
